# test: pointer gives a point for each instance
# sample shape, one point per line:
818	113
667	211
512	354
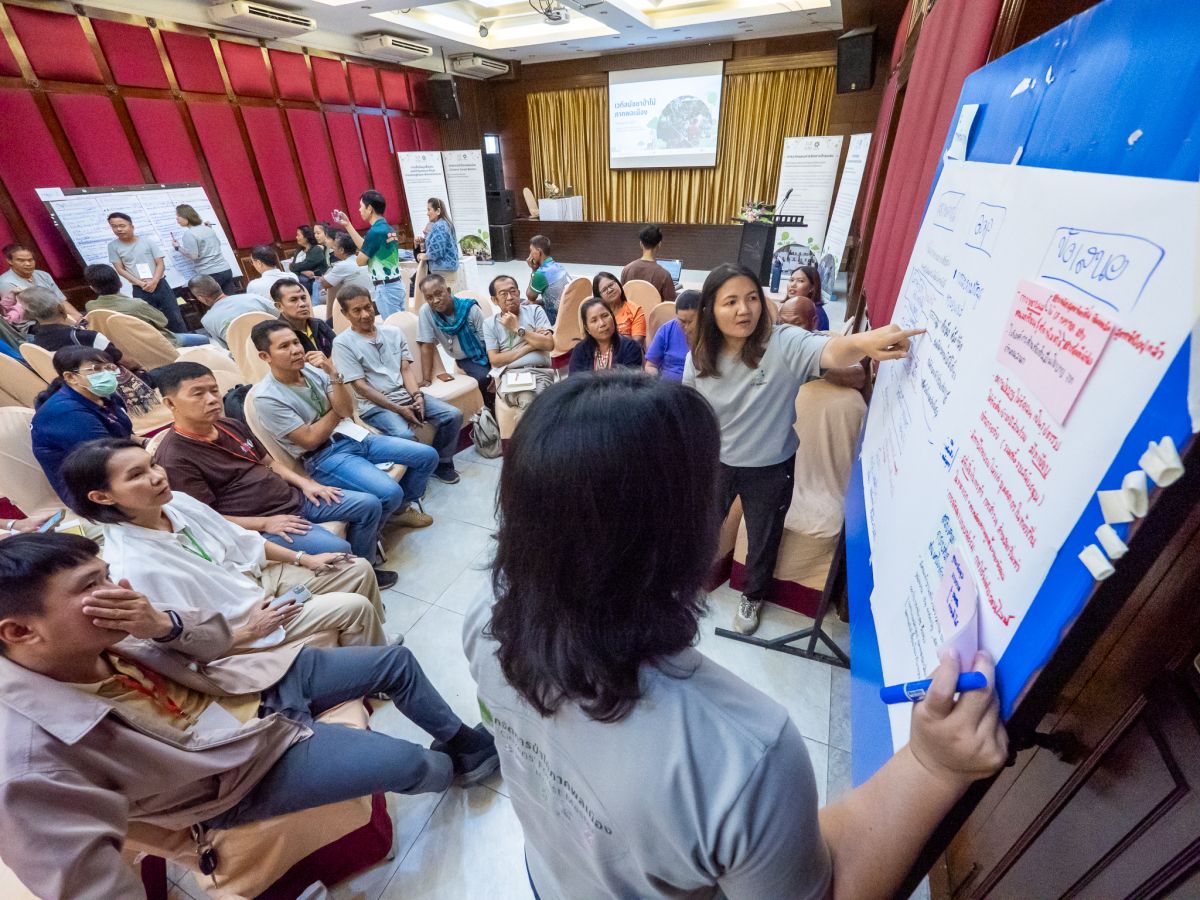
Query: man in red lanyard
218	461
109	723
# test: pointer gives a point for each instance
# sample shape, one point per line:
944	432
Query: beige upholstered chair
40	360
643	293
19	382
657	318
97	318
21	478
568	329
140	339
531	202
318	311
462	392
237	336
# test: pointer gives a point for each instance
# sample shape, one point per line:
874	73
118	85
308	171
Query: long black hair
611	277
69	359
602	554
86	469
588	340
709	340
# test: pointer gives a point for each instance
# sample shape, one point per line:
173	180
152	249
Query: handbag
485	434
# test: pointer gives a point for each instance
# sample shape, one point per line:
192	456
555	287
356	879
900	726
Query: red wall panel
95	134
351	165
194	62
55	44
428	135
131	53
278	170
31	163
291	74
248	75
331	81
6	235
324	189
383	166
395	89
230	167
365	85
404	134
165	139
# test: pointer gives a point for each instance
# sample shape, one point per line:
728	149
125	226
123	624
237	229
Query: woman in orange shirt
631	320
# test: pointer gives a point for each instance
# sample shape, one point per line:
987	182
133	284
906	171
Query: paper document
351	429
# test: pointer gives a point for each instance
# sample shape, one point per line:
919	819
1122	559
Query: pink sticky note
1052	343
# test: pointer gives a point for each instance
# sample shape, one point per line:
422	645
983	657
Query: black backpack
235	403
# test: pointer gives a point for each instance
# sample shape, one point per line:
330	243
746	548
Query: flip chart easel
1066	101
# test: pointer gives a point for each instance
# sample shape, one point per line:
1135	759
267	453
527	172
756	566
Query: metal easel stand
835	585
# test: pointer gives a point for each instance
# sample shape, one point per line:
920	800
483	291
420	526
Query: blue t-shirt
65	421
668	351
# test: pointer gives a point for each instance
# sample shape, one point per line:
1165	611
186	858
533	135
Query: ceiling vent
260	19
390	47
472	66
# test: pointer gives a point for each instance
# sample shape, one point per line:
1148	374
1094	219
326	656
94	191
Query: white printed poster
468	199
423	178
83	217
1055	302
806	180
830	261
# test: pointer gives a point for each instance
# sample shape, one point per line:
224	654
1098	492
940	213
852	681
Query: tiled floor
461	844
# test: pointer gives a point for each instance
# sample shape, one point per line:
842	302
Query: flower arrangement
757	211
552	191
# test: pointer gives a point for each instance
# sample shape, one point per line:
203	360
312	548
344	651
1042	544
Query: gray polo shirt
429	333
202	246
11	281
756	408
282	408
377	361
705	783
531	317
220	314
143	251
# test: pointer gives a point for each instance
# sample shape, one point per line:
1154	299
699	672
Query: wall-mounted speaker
443	93
856	60
493	172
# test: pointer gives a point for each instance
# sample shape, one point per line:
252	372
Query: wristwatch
176	628
520	332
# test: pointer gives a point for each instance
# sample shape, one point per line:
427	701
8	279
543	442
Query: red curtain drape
954	42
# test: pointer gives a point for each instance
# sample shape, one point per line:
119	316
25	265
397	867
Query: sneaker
386	578
745	620
472	768
446	472
413	518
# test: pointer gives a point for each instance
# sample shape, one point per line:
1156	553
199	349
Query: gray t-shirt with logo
756	408
376	360
705	784
531	317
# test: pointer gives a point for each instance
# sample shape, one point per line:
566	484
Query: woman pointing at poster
749	370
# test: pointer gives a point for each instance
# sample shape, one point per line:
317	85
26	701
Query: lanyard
316	395
157	692
196	549
246	445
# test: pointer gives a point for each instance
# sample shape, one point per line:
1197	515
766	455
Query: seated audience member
51	329
224	308
106	284
602	347
140	261
375	361
307	407
630	318
519	336
23	273
378	250
12	310
27	525
81	404
345	270
323	233
266	263
309	260
456	323
10	342
805	281
670	347
549	278
609	668
191	746
218	461
170	545
647	268
802	312
199	243
295	308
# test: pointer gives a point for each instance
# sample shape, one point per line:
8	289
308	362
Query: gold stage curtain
568	144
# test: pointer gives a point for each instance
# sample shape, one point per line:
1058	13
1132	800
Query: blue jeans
446	420
361	513
350	465
191	339
164	300
338	762
390	298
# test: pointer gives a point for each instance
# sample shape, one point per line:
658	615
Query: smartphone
299	595
49	524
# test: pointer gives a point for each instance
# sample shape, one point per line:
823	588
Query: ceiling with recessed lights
528	30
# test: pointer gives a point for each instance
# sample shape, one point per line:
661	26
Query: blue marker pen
913	691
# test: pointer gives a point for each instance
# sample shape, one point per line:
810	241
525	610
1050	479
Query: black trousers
228	283
766	493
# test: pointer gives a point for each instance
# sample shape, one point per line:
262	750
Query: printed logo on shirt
760	377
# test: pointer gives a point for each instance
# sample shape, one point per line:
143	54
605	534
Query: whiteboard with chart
81	215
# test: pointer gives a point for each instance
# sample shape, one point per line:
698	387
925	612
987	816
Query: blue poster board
1116	94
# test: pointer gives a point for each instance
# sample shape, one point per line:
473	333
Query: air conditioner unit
472	66
396	49
260	19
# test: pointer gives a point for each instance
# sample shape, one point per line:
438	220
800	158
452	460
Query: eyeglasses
610	287
99	368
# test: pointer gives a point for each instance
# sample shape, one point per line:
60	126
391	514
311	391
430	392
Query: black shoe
447	473
386	578
471	768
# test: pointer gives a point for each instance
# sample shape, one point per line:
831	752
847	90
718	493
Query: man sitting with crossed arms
117	714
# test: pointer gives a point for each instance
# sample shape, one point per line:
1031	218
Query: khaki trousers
345	602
